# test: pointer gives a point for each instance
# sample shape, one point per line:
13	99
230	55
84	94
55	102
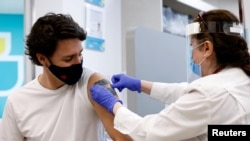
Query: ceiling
12	6
17	6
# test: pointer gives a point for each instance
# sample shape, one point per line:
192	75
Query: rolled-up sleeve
125	119
168	92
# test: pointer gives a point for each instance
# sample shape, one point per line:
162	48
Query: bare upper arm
100	79
105	116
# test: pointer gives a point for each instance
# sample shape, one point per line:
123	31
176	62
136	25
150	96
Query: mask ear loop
49	61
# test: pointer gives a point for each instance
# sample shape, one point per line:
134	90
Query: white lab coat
221	98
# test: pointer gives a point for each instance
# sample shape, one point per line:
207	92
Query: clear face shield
194	70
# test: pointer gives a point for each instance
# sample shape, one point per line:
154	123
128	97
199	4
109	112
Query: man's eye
68	59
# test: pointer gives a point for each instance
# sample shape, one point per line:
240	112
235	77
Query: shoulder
96	77
90	76
87	72
21	95
26	88
227	76
224	79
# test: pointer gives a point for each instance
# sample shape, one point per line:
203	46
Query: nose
78	60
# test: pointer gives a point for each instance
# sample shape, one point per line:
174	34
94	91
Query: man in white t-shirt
56	105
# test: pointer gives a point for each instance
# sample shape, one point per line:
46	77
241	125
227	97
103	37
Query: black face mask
69	75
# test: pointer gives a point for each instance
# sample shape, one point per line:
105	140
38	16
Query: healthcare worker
219	55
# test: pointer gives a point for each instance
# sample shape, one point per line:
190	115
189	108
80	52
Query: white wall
246	11
146	13
109	61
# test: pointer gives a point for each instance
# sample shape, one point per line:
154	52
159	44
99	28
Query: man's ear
208	48
42	59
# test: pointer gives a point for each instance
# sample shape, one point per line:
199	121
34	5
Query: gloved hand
103	97
121	81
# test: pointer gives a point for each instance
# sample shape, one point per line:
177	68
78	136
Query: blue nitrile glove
121	81
103	97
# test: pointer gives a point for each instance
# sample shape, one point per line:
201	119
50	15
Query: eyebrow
72	54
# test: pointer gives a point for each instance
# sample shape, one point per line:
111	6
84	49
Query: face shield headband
229	28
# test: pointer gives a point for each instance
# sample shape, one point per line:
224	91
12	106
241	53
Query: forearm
146	86
108	123
116	107
167	92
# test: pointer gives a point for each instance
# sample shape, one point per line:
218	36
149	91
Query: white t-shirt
34	113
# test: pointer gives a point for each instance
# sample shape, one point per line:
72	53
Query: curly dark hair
231	50
46	33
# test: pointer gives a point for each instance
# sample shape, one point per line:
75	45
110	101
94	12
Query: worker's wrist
117	105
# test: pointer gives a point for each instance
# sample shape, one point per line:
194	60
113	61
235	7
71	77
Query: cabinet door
154	56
